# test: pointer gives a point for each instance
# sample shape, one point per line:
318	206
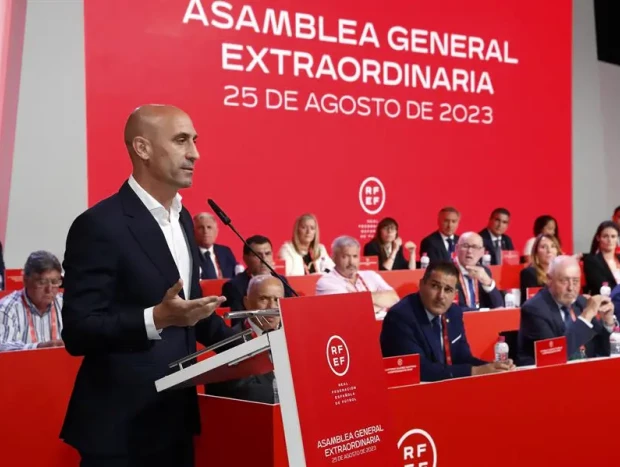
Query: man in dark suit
236	289
2	279
429	324
494	236
132	305
263	293
476	287
217	261
440	245
559	310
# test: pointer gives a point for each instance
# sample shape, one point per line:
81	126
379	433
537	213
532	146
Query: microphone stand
226	221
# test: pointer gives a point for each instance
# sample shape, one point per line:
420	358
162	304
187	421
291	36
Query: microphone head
218	211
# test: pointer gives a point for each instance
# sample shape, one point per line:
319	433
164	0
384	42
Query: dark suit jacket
615	299
491	299
3	285
435	248
541	319
226	259
528	279
117	263
235	289
407	330
256	388
596	272
490	247
372	249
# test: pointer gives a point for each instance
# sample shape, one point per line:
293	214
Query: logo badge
417	447
338	356
399	362
550	344
372	195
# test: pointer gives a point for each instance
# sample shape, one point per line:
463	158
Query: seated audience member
2	280
616	216
440	245
615	300
546	248
428	323
602	264
388	246
346	278
263	293
558	310
217	261
494	236
235	289
542	225
476	287
31	318
305	254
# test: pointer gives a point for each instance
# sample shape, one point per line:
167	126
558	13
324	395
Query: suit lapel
148	234
427	329
442	246
188	227
609	276
556	318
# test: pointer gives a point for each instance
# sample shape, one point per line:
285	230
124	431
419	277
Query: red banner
351	111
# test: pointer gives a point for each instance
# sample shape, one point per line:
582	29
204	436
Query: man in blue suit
476	287
558	310
216	261
428	323
133	305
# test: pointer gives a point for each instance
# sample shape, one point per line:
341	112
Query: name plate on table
510	257
550	351
369	263
403	370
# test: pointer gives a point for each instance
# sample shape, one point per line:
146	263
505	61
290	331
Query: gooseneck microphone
226	221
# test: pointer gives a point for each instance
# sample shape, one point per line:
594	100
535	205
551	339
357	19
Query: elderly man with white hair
346	278
216	261
558	310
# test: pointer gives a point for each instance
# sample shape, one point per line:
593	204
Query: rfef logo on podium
332	387
417	449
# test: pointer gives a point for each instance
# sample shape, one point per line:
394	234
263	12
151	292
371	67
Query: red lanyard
248	326
468	298
446	340
29	312
306	268
357	277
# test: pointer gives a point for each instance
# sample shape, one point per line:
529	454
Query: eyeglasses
41	283
575	281
467	246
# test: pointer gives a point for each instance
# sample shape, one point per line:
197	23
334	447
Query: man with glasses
476	287
558	310
31	318
428	323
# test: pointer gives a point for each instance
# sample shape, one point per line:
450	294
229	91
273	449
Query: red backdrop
266	166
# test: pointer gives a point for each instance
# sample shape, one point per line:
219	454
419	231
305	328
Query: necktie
498	251
472	292
567	318
435	324
208	268
450	245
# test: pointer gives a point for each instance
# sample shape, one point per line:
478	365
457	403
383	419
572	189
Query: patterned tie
437	334
208	268
498	251
472	292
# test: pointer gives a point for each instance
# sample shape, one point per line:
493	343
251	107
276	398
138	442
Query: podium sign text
550	351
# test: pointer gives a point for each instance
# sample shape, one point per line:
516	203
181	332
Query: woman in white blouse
305	254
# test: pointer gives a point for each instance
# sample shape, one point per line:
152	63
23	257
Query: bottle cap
616	328
605	284
424	254
501	339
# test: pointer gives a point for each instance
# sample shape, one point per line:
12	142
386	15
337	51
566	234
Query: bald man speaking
133	304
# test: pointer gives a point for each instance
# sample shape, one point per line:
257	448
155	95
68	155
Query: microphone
226	221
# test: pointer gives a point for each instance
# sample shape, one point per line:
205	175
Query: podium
330	379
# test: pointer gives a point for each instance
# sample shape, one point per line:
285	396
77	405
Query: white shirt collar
445	237
493	237
151	203
258	331
210	250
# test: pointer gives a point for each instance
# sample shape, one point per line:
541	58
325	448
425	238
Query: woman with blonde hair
545	248
305	254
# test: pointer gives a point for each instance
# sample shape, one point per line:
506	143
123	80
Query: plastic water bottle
614	341
322	264
486	259
424	261
510	300
605	290
501	350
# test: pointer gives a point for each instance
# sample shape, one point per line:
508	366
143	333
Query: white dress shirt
445	241
608	328
211	251
175	238
486	288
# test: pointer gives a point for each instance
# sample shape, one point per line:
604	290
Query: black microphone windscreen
216	209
